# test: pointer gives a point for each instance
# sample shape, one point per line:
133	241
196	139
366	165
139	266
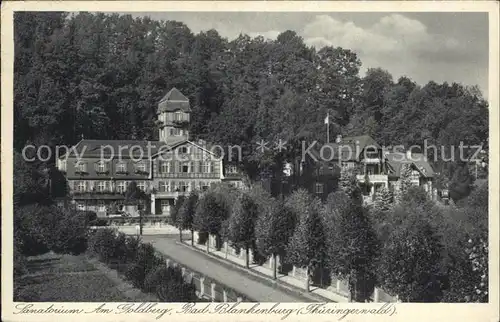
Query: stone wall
206	287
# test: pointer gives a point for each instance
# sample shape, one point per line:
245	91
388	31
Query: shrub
43	228
169	285
145	261
99	222
101	244
132	246
90	216
119	251
33	227
70	235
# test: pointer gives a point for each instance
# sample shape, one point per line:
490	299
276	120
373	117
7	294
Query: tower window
178	116
175	132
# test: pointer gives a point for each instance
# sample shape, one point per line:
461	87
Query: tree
211	212
410	264
307	246
465	230
478	255
383	200
242	223
348	183
175	213
187	213
274	228
461	183
30	179
404	181
353	245
135	196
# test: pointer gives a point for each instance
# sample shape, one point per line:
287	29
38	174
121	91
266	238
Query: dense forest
100	76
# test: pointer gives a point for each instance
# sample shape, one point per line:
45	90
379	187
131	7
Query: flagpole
328	128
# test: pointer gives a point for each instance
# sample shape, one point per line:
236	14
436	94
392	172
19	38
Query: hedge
140	265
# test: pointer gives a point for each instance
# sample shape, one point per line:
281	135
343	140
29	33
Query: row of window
121	186
177	116
105	186
102	166
182	186
173	131
102	206
185	167
164	167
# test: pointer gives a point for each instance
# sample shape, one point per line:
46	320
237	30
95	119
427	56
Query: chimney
338	139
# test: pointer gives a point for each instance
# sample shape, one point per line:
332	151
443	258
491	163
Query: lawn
65	278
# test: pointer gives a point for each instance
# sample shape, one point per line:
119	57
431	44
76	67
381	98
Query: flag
327	119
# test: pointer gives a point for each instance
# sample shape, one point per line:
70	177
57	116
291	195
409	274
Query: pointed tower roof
173	101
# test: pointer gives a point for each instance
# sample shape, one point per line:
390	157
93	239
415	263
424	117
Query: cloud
270	34
392	35
403	46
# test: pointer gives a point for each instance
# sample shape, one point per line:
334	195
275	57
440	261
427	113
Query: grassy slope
65	278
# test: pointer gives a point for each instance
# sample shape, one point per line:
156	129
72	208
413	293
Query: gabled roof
172	146
115	148
173	101
93	148
396	161
128	148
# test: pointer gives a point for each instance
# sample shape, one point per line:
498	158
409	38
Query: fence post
202	286
212	291
239	299
224	295
338	285
376	295
293	270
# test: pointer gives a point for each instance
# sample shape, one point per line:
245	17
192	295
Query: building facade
375	167
98	172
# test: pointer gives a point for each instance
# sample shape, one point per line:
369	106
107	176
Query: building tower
174	113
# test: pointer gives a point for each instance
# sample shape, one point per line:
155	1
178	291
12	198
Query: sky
438	46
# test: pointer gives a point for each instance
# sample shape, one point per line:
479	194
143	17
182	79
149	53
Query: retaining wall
207	288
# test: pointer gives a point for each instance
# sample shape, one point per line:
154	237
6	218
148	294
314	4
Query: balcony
94	194
189	175
170	194
373	178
